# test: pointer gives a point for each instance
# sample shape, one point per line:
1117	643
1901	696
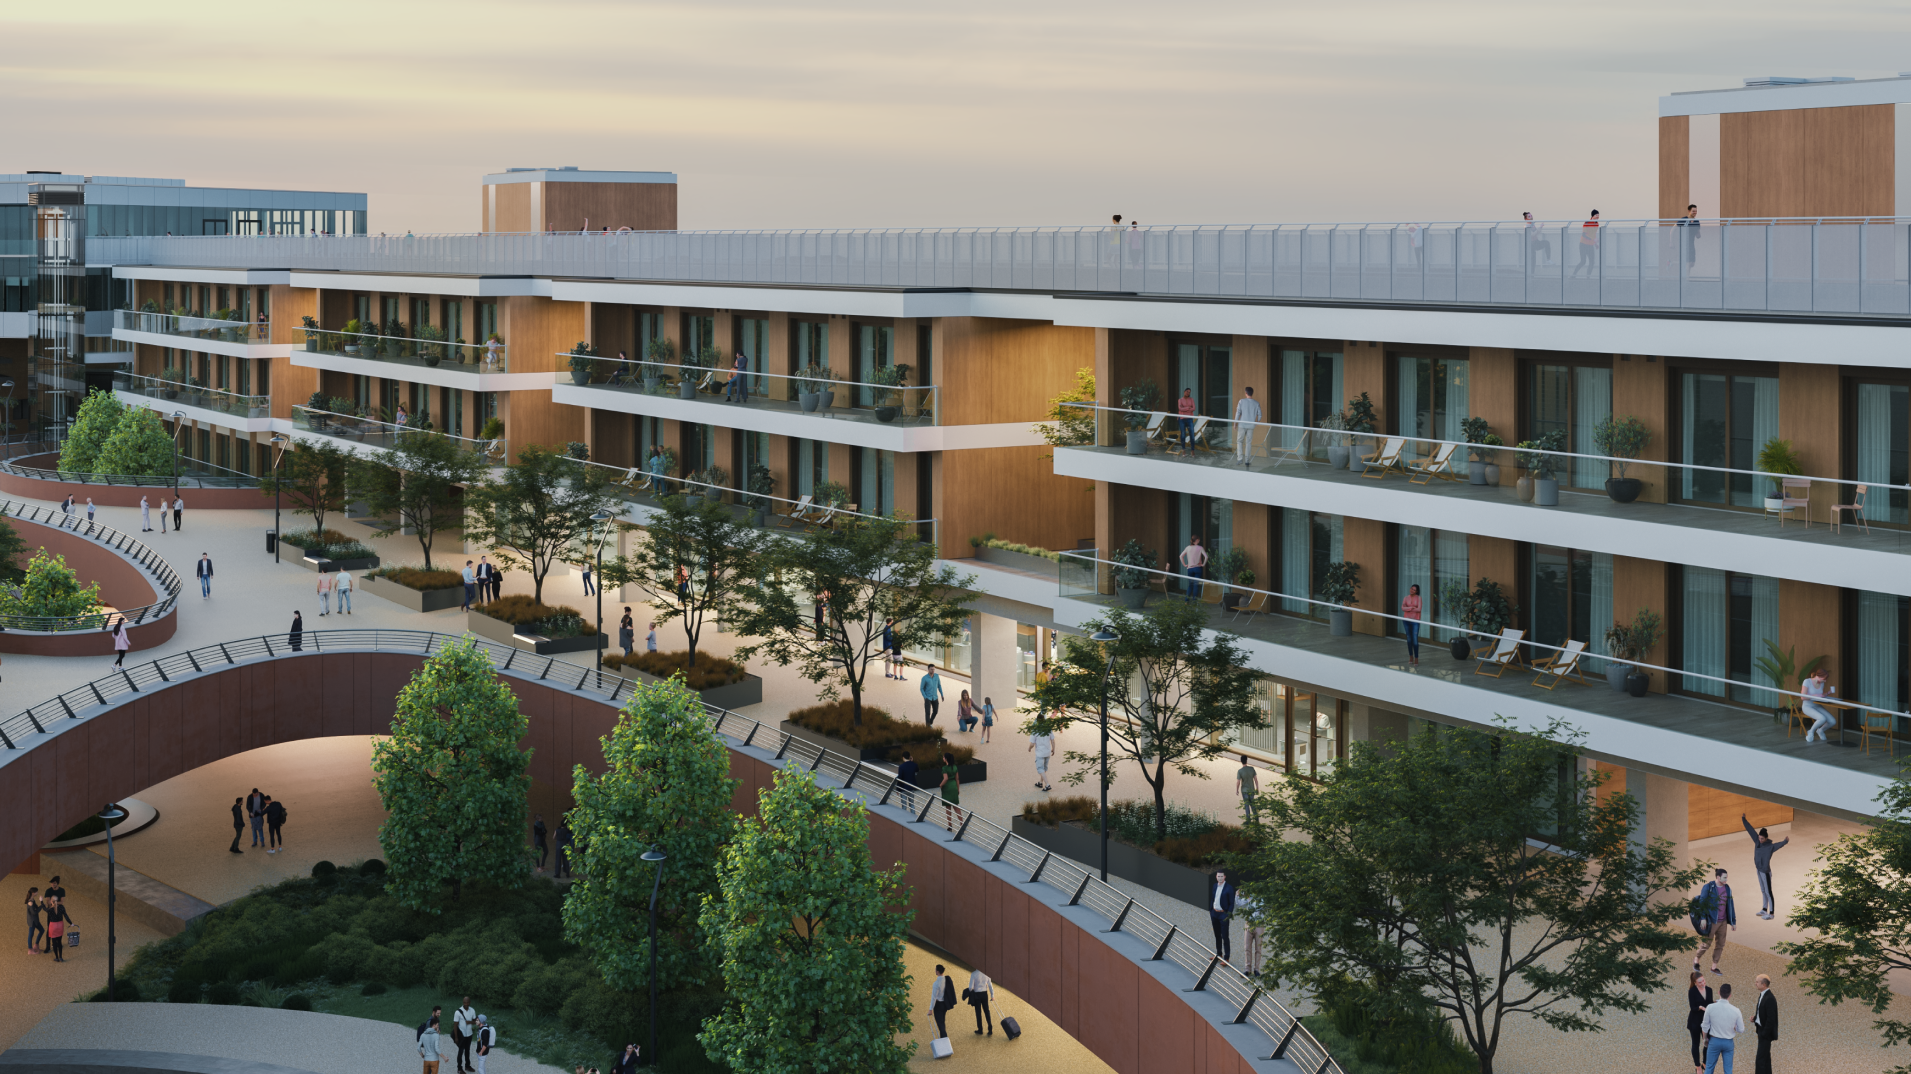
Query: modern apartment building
1784	323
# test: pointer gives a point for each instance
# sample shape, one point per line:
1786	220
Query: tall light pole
179	423
278	441
602	518
6	416
655	857
112	814
1104	636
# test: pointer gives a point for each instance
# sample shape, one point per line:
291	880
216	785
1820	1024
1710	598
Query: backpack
1705	908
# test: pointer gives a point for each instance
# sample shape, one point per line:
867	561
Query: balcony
644	493
471	367
1675	734
213	335
366	436
208	406
1288	465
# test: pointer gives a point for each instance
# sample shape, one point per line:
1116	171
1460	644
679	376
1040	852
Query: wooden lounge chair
1505	654
1439	464
798	511
1284	444
1795	718
494	453
1856	507
1157	426
1386	460
1561	666
1876	724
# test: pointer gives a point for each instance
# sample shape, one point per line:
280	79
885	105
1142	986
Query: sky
860	113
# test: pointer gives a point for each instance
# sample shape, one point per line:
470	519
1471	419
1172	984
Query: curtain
1184	516
1222	513
1764	626
1880	648
1293	397
1454	377
1703	629
1592	404
1187	374
1879	426
1751	492
1294	559
1411	405
1601	612
1449	567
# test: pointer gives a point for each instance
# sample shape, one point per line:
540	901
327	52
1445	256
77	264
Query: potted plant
1334	425
888	395
1778	459
1361	421
1485	609
660	352
1474	430
583	359
1133	562
173	376
1231	568
1490	456
1337	587
353	328
831	494
1623	439
1139	400
762	485
313	341
1780	667
1543	465
493	428
1630	643
315	407
431	346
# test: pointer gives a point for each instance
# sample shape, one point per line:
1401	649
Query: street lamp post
179	423
111	814
279	440
6	416
602	518
655	857
1104	636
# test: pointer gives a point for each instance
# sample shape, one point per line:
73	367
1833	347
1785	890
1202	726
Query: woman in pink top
1410	611
122	641
1185	406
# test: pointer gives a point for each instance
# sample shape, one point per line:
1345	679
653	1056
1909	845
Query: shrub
329	544
989	541
185	988
1194	839
963	755
51	589
297	1001
709	670
372	867
323	868
346	956
526	612
123	992
418	578
225	993
372	989
878	728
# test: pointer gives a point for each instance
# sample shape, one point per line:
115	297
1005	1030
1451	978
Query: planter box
1130	863
500	631
976	771
729	696
418	600
1021	561
289	552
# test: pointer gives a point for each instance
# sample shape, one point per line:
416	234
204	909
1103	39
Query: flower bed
540	628
710	671
416	588
881	737
1178	866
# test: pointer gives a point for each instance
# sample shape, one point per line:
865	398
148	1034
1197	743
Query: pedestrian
66	505
238	824
463	1021
980	991
296	635
59	922
988	719
965	712
145	516
1247	413
627	633
1221	912
482	1040
1185	407
204	573
428	1045
122	641
1416	241
403	418
89	508
1536	243
891	658
35	930
738	390
342	590
255	812
650	639
941	999
1194	559
1244	906
429	1019
1722	1022
324	593
497	582
1698	996
683	584
588	588
563	870
907	774
274	821
1247	781
1715	911
1689	235
1588	245
539	835
54	890
162	514
483	577
931	687
470	585
627	1063
1410	620
951	788
179	511
1822	719
1762	850
1042	744
1764	1024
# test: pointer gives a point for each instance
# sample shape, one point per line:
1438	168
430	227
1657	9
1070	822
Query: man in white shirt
463	1021
1247	410
343	588
470	585
1044	748
1722	1022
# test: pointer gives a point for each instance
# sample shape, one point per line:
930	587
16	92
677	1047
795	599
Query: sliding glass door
1881	434
1569	591
1433	560
1312	386
1724	420
1433	397
1571	399
1724	621
1308	542
1883	673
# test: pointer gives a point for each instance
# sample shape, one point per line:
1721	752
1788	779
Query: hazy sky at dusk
857	113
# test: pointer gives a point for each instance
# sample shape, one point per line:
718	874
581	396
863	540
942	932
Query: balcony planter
808	401
887	413
1616	674
692	500
431	361
1525	487
578	376
1774	503
687	388
1137	441
760	517
1492	474
1623	489
351	348
418	600
650	383
1638	683
976	771
1545	492
1476	473
825	399
1337	457
1132	599
1461	648
1340	622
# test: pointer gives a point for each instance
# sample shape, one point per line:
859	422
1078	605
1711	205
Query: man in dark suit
1221	912
1764	1023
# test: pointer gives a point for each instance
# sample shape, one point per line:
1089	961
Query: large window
1207	517
753	339
1723	421
699	332
1880	432
1301	729
1208	372
1883	674
1571	399
1433	397
809	345
1433	560
1311	387
1724	620
875	348
812	465
1569	594
875	481
1308	542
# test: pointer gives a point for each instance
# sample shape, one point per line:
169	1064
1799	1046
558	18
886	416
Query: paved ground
1042	1047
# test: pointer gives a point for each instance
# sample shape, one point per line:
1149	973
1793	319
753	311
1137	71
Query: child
988	718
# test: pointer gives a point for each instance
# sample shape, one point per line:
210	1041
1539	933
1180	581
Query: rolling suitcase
941	1048
1011	1027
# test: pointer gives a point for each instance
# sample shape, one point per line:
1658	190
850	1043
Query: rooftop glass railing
406	350
185	393
1817	265
822	393
370	432
1872	515
189	328
648	488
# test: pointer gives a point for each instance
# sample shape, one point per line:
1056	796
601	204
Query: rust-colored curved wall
121	584
121	495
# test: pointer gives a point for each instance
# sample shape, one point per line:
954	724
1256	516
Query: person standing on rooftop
1588	246
1689	235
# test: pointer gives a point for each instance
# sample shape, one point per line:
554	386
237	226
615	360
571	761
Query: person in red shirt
1588	246
1410	612
1185	405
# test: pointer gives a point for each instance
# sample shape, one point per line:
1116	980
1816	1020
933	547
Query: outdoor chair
494	453
1291	444
1877	724
1795	718
1505	654
1795	495
1386	460
1561	666
797	511
1256	602
1856	507
1157	426
708	382
1439	464
1198	438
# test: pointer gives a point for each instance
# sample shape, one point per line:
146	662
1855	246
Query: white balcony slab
444	375
207	346
218	419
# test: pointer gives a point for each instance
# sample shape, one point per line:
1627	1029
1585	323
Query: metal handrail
491	449
187	479
486	356
855	777
125	544
226	402
192	326
631	472
678	369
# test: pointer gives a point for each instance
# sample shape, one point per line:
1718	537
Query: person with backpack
1713	918
482	1040
274	820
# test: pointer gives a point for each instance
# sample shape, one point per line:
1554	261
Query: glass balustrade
821	393
354	429
410	351
186	393
191	328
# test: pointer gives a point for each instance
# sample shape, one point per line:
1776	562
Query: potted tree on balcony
431	345
583	360
1623	439
1778	459
659	352
1139	400
1231	568
1361	421
1542	464
1630	643
1489	455
174	377
1338	586
762	487
1335	426
889	393
1474	431
353	328
1484	609
1133	562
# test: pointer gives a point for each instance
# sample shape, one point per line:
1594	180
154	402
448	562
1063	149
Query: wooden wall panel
1364	541
1809	619
1365	370
535	329
293	384
1809	415
637	206
1131	511
1639	389
1711	812
513	211
1641	583
1675	165
1493	394
1012	492
1808	162
1760	173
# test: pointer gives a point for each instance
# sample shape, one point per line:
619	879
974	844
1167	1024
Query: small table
1838	705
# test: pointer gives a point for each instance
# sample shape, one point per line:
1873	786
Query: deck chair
1285	444
494	453
1795	718
1256	603
1386	460
1795	495
1200	437
1856	507
1157	427
1562	666
1439	464
798	511
707	382
823	517
1505	654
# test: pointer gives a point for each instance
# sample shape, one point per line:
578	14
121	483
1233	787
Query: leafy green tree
1173	697
1068	426
1855	915
414	486
716	549
139	444
454	780
1474	873
812	952
312	476
99	415
539	512
12	547
666	785
50	588
873	570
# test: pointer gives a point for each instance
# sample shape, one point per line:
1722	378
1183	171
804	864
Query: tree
1478	874
50	588
454	780
1858	903
312	476
12	547
1173	698
539	512
873	570
1068	426
139	444
414	485
98	416
716	548
812	952
666	785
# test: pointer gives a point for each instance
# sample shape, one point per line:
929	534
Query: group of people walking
49	922
337	584
472	1038
266	817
